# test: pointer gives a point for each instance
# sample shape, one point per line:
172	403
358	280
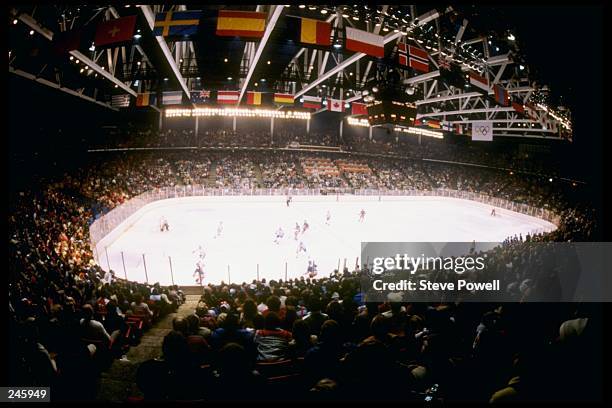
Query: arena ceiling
278	62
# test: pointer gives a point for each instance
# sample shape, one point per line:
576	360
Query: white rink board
250	223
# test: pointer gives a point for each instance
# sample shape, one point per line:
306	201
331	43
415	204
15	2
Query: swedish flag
177	23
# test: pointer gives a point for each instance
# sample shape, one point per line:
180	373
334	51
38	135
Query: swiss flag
359	108
115	31
335	105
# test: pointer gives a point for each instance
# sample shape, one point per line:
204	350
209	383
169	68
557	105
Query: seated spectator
302	339
315	317
141	309
323	360
236	379
92	329
272	342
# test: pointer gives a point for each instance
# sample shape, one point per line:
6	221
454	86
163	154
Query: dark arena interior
230	119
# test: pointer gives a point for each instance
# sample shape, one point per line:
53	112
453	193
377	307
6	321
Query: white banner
482	130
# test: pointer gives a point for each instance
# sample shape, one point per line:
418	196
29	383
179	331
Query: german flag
249	24
283	99
253	98
315	32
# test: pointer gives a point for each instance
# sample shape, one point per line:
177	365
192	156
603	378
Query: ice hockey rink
246	249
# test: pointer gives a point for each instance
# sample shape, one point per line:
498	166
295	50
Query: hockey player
328	218
219	229
301	248
199	273
163	224
362	214
312	269
279	235
493	212
305	227
297	231
288	200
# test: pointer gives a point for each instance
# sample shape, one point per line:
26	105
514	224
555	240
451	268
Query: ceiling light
365	92
82	69
375	89
268	62
71	58
256	84
138	63
385	28
323	11
347	105
31	32
263	79
337	44
355	18
15	21
521	67
93	47
137	35
165	79
511	37
116	86
229	78
77	61
302	6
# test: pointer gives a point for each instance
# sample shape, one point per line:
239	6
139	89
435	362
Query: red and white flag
414	58
311	102
479	81
335	105
358	108
227	97
363	41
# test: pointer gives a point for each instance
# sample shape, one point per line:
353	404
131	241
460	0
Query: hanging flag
358	108
66	41
433	123
228	97
365	42
335	105
283	99
518	107
311	102
418	59
177	23
201	96
248	24
120	101
172	98
458	128
447	126
479	81
146	99
418	122
115	31
253	98
315	32
482	130
501	95
443	62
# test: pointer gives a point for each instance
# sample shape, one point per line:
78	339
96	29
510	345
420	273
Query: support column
370	132
161	112
234	124
197	125
341	126
419	139
272	130
308	126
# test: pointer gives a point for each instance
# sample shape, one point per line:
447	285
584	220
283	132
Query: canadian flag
335	105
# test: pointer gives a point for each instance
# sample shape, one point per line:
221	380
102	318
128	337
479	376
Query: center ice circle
246	249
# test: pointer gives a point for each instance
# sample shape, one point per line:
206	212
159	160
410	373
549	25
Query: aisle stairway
258	175
212	175
118	383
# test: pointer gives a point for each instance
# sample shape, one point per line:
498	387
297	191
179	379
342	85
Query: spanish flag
241	24
253	98
283	99
315	32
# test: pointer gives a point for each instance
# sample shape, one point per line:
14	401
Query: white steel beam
150	17
276	12
59	87
48	34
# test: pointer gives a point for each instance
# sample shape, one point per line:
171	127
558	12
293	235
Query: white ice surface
250	224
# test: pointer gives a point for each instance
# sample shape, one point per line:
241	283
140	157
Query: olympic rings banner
482	131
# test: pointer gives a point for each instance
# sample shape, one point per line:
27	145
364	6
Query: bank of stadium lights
238	112
358	122
419	131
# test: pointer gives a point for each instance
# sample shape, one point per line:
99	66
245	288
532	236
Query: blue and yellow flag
177	23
